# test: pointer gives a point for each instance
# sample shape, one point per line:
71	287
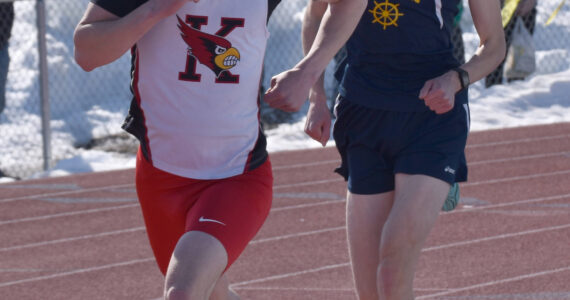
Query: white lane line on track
67	214
275	187
72	239
306	205
111	208
563	154
496	282
22	270
46	186
36	196
474	209
474	163
299	289
46	195
294	235
480	145
97	210
496	237
526	201
308	183
491	181
280	276
78	271
311	232
456	244
487	161
131	230
276	288
515	178
518	141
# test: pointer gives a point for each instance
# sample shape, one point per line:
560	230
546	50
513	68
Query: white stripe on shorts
438	12
466	108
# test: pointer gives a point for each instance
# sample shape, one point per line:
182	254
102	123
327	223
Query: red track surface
82	236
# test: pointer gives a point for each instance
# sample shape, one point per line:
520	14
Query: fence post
44	84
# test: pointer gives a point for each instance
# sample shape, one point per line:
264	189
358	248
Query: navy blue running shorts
376	144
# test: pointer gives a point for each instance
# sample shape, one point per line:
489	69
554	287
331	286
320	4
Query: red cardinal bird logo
210	50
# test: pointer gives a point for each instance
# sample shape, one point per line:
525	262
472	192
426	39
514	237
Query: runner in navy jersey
401	127
203	175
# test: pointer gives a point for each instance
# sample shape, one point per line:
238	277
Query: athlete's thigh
197	263
164	199
365	218
233	209
417	202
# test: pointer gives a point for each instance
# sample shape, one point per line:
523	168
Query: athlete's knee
185	287
403	234
174	293
394	271
399	245
184	293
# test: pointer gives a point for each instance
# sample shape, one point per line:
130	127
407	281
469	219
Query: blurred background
51	109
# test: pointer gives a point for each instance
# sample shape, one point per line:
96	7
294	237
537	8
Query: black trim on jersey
259	154
271	5
6	22
120	8
134	122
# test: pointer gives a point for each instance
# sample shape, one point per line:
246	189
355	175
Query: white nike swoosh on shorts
202	219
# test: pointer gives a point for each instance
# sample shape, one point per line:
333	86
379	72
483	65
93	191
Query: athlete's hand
288	91
165	8
318	123
439	93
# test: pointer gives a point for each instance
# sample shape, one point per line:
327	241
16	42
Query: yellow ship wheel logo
386	13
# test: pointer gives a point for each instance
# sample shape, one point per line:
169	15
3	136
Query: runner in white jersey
203	175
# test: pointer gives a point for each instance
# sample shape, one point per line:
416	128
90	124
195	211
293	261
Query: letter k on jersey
210	50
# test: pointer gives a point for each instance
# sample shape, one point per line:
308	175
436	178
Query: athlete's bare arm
318	122
491	52
289	89
102	37
439	93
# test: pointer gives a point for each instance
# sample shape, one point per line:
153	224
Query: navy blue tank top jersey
397	46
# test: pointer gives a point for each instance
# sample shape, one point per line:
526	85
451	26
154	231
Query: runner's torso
195	81
396	47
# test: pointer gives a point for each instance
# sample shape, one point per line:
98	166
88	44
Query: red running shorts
230	209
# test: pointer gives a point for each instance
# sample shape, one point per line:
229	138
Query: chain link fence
87	107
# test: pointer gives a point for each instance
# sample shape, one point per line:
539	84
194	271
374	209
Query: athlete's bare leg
417	203
197	263
365	217
386	233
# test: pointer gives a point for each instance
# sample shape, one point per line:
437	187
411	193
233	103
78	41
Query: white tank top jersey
196	82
